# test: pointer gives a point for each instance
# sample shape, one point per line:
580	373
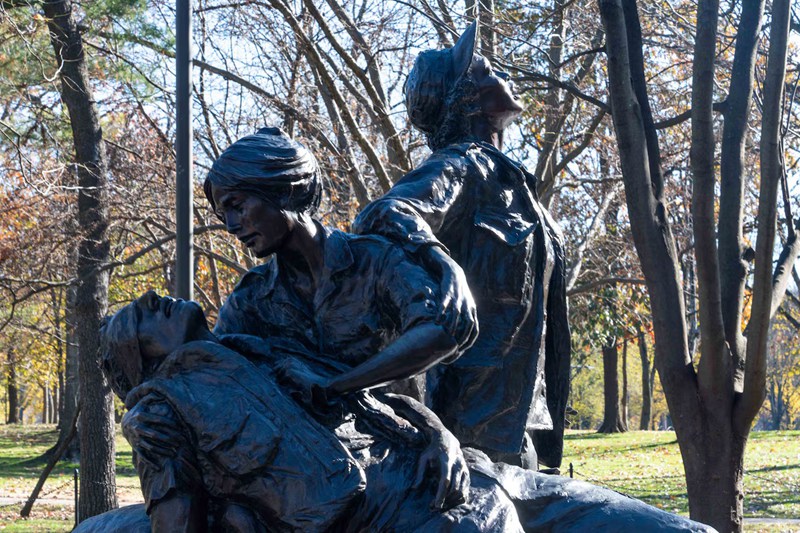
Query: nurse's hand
307	387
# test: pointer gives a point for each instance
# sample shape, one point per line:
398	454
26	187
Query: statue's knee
238	519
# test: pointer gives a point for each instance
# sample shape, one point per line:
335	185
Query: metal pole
77	512
183	150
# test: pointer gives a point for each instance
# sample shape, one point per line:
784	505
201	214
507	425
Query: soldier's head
140	335
448	91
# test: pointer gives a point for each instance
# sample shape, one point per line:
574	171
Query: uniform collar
518	170
337	255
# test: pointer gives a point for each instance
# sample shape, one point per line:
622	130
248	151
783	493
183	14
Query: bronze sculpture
356	299
243	456
353	312
224	446
471	200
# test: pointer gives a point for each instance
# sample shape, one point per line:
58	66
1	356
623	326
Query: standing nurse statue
470	207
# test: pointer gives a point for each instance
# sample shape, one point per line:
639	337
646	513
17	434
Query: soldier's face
497	100
165	323
260	225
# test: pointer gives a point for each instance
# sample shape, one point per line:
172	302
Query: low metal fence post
77	513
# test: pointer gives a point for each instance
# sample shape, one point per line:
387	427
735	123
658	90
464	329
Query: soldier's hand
152	433
444	458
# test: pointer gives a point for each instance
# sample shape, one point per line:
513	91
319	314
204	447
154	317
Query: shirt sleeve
172	469
409	293
414	210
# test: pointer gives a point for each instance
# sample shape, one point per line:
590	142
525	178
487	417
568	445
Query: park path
774	521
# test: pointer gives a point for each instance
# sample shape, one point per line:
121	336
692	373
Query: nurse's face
259	224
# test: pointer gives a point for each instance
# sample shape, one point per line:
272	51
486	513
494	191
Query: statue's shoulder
190	359
345	249
457	153
258	277
452	162
256	284
260	273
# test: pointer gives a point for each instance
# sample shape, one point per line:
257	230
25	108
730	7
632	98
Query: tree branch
588	135
575	269
44	285
789	318
377	100
313	56
715	367
732	264
13	4
755	376
586	287
530	75
686	115
784	268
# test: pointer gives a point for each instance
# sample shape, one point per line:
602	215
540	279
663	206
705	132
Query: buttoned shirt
480	206
369	293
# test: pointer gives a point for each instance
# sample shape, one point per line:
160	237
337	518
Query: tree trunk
647	385
69	400
777	406
62	376
733	267
551	137
714	479
13	390
711	417
58	387
612	422
98	483
343	144
624	413
690	287
488	44
45	404
471	9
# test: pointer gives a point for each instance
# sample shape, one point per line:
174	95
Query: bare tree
612	417
714	404
648	375
98	476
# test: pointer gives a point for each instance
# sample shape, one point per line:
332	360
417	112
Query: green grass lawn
20	448
647	465
643	464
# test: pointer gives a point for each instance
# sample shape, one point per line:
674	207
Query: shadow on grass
773	435
772	502
768	469
606	436
125	463
32	469
586	436
619	449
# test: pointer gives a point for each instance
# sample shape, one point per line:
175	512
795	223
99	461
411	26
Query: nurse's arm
412	353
